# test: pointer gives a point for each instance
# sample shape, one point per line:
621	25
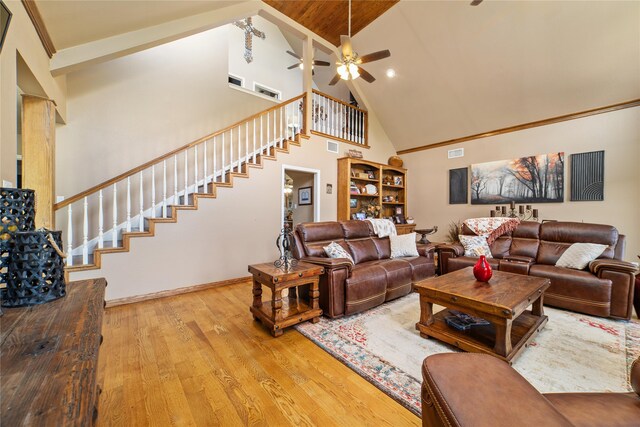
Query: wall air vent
332	147
458	152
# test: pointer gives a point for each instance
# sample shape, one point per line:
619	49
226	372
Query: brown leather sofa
346	288
470	389
604	289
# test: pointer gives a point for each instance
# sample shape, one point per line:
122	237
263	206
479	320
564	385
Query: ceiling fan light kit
348	68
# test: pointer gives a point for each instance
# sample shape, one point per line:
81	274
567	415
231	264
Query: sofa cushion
403	245
475	246
383	246
575	290
591	409
366	288
557	236
362	250
500	247
460	262
579	255
315	235
398	273
421	267
336	250
356	229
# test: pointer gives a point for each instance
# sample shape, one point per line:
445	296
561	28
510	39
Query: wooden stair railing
130	204
339	120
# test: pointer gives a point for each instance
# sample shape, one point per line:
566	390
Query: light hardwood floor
200	359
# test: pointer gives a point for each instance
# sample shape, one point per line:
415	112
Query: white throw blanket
383	227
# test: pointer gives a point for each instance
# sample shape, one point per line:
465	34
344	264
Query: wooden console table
278	315
50	358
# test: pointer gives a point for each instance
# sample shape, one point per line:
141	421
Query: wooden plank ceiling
329	19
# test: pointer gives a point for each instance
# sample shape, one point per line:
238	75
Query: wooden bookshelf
374	182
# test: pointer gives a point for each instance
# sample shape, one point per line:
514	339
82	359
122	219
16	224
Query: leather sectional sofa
347	288
604	289
468	389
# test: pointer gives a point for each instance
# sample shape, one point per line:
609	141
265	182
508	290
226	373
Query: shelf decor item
36	269
17	213
482	270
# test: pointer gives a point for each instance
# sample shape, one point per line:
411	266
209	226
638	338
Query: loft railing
336	119
98	217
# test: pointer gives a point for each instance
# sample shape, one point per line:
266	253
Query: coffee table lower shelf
481	339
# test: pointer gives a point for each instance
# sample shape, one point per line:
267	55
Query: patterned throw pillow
475	246
334	250
579	255
403	245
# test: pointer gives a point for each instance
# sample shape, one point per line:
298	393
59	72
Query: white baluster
239	149
254	140
325	109
114	228
70	236
128	203
100	221
164	189
186	176
222	161
153	191
141	214
261	138
85	232
268	138
246	146
282	128
350	112
230	150
215	151
204	167
175	180
275	130
195	168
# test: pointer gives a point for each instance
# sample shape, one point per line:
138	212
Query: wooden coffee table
503	302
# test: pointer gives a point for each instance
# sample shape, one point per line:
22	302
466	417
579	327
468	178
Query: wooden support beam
38	155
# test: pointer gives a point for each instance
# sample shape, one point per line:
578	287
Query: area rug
574	352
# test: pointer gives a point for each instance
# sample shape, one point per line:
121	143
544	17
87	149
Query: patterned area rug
574	352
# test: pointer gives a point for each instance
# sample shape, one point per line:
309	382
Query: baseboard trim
174	292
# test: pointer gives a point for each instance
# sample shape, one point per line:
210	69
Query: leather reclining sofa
347	288
501	397
604	289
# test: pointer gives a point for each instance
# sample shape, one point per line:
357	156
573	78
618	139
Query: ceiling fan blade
365	75
293	66
345	42
321	63
334	80
375	56
295	55
476	2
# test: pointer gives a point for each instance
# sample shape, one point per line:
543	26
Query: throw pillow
334	250
579	255
475	246
403	245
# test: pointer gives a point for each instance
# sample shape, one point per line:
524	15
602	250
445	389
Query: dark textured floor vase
36	269
17	213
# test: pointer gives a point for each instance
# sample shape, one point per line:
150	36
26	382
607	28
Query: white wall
270	60
132	109
22	40
617	133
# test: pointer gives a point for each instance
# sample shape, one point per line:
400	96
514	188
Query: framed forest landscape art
532	179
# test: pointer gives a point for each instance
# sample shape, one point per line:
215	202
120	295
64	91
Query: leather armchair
470	389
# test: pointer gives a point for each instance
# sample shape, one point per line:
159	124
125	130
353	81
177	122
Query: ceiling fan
301	65
349	65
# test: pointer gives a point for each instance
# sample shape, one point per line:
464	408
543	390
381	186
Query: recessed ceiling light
391	73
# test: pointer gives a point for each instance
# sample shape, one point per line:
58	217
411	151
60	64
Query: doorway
300	195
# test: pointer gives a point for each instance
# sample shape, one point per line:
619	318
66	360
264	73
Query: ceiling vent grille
332	147
458	152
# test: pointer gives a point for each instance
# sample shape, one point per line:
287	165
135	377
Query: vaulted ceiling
460	69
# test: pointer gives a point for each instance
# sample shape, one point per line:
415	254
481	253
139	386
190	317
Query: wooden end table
503	302
279	315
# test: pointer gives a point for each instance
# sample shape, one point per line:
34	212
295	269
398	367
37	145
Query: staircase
104	218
